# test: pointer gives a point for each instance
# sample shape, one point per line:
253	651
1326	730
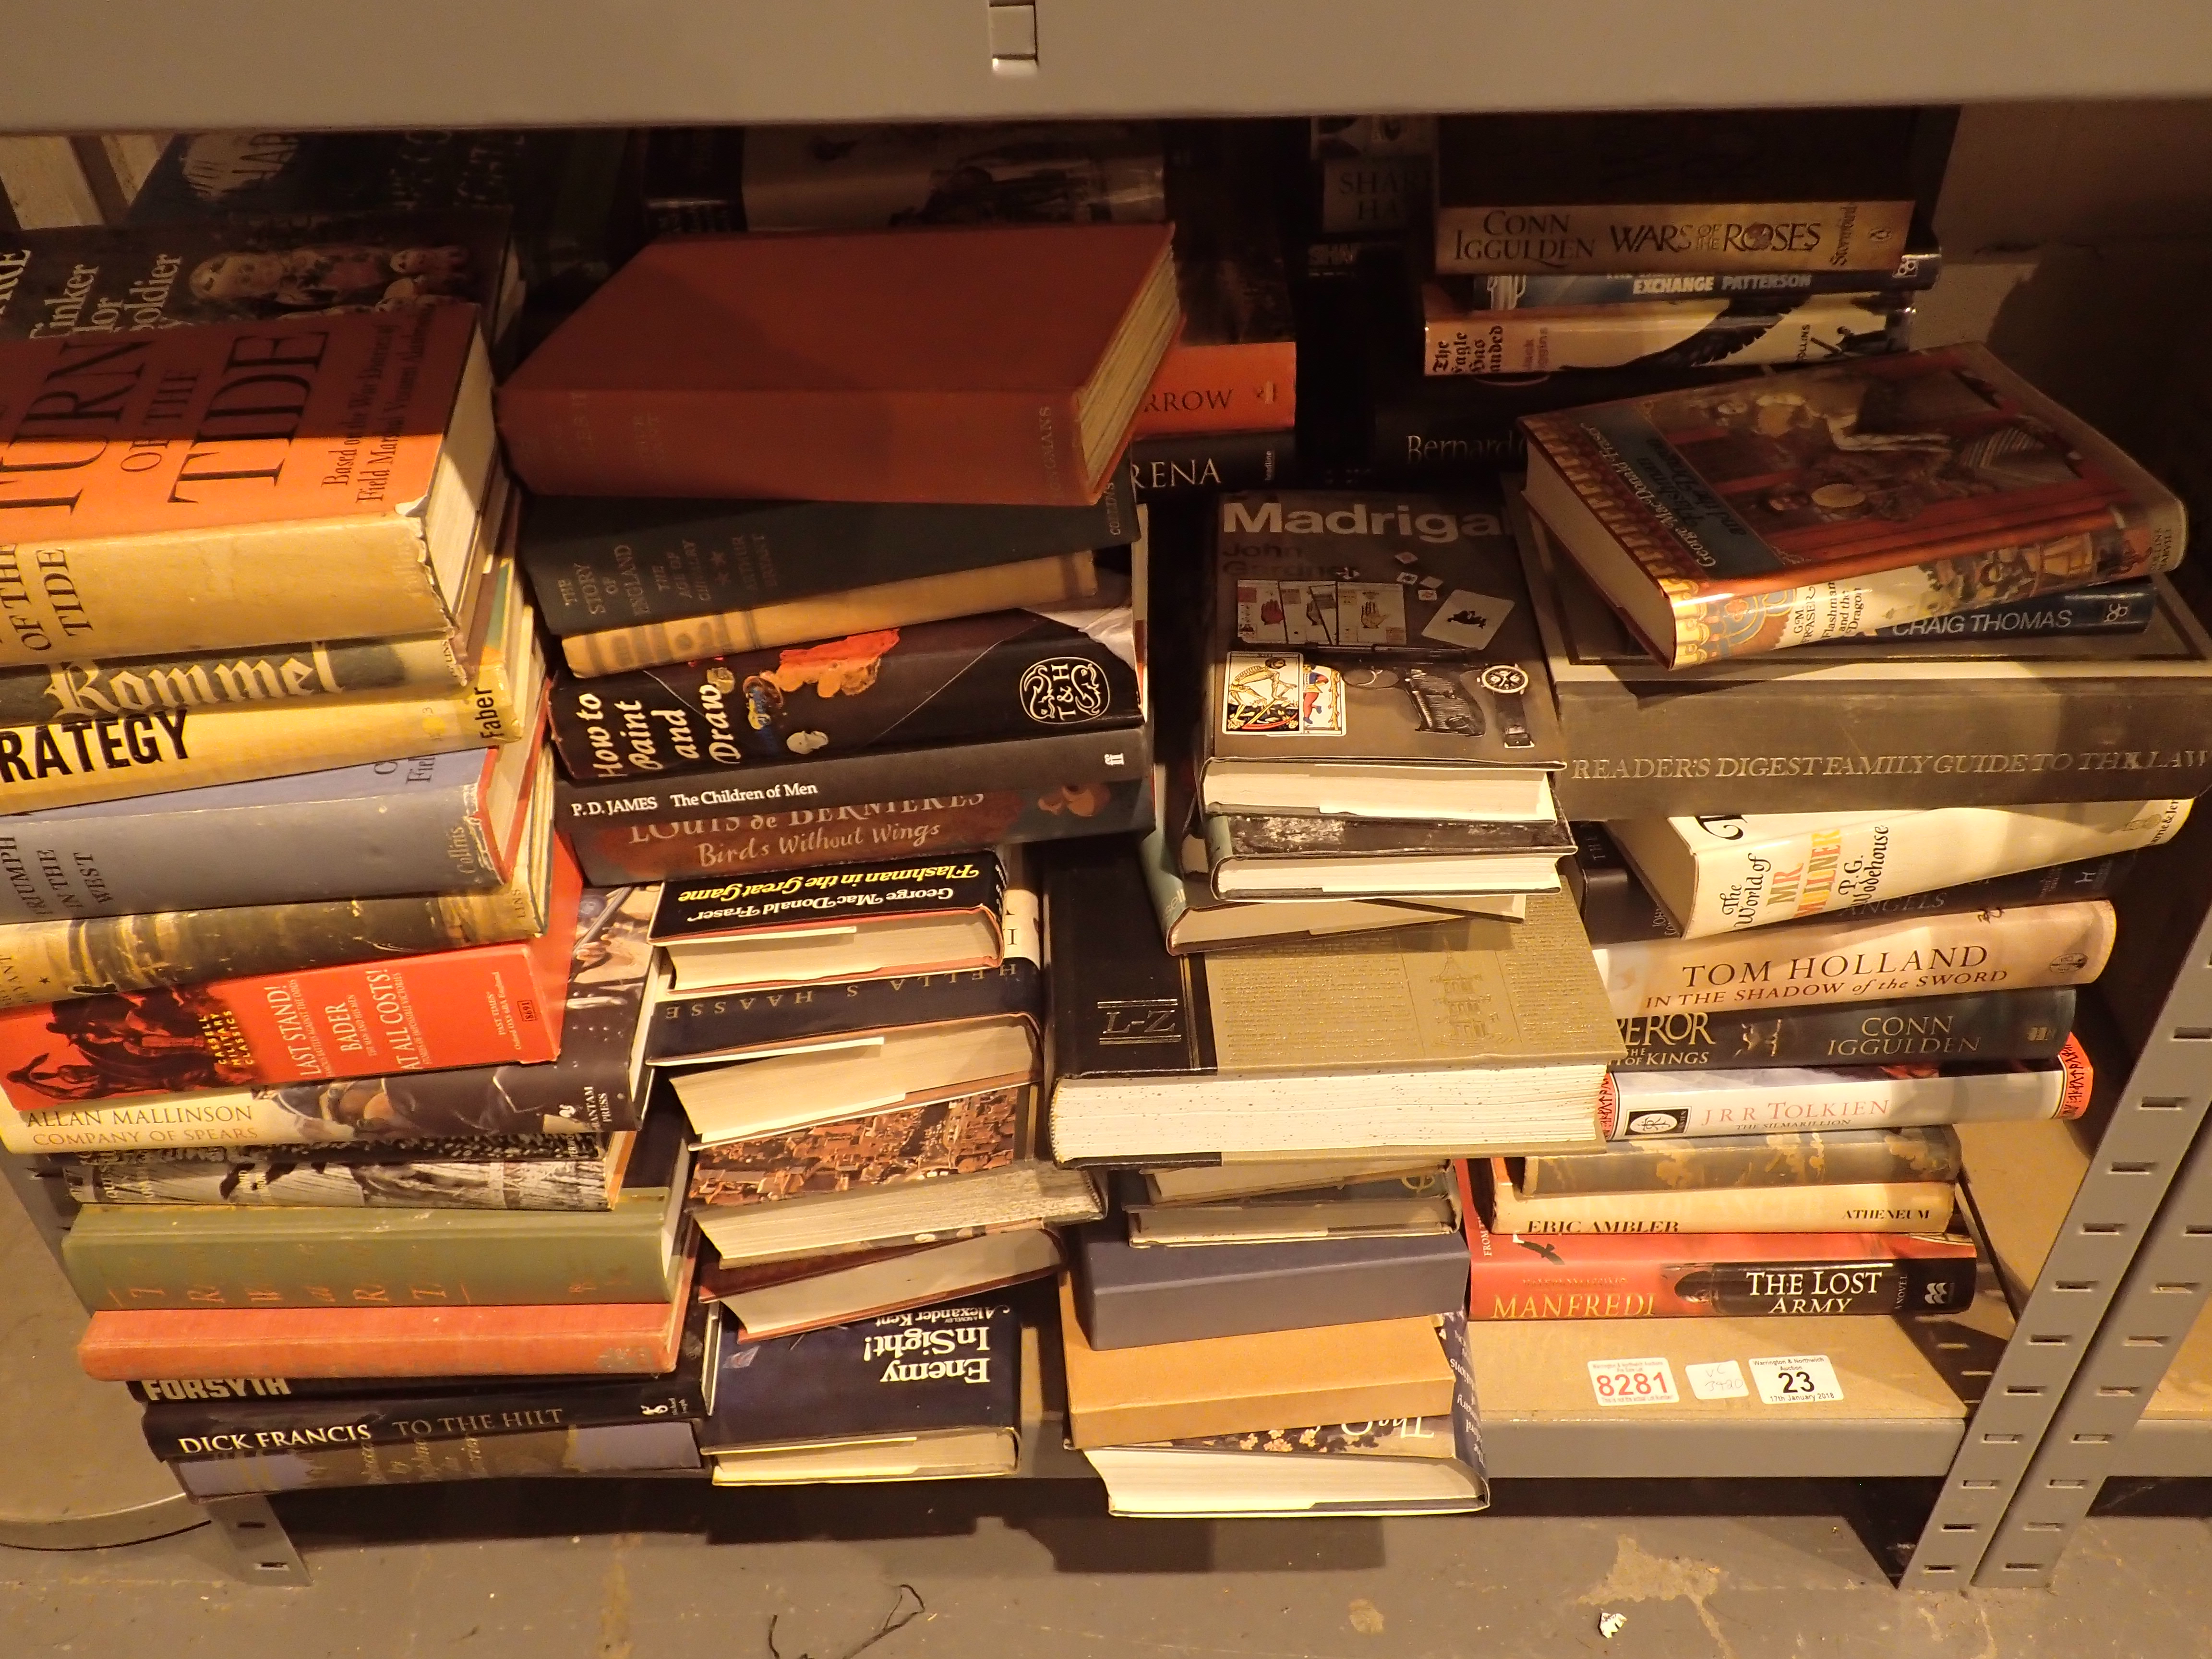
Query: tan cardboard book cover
982	363
203	488
1235	1384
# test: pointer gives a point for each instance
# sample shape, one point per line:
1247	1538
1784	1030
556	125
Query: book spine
745	843
353	669
598	564
248	1426
1903	1206
1997	1025
492	1005
1060	580
1928	1154
1816	329
403	1343
71	763
575	1183
2123	541
51	961
1744	881
401	841
1692	237
1640	1106
1840	959
606	1449
1509	291
1503	1289
792	789
2118	608
1195	463
1249	387
989	678
733	1023
1367	194
145	1258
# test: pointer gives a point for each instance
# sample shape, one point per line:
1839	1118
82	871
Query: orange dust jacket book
983	363
251	483
1833	501
486	1004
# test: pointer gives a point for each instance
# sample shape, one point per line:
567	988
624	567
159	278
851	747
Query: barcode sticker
1633	1382
1802	1379
1721	1380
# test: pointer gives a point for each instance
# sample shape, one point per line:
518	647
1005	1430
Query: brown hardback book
1826	503
1237	1384
251	483
992	364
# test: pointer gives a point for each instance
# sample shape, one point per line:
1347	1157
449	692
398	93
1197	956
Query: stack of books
837	649
328	1051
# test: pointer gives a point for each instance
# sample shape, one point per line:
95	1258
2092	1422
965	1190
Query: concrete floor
1036	1570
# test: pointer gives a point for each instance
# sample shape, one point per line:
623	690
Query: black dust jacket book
725	1024
1004	674
239	1424
1121	1006
840	896
611	562
928	1369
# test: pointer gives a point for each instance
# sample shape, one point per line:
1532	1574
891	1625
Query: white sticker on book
1721	1380
1802	1379
1633	1382
1466	619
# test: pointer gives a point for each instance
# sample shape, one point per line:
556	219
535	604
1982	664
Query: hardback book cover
1254	856
1003	674
861	177
247	1423
1740	330
1915	268
1865	725
1724	1275
1988	1026
1841	499
1199	464
1473	993
1871	1206
1783	1158
596	1085
598	563
487	1005
787	388
785	1298
1844	959
1640	1105
1235	1384
106	280
381	1343
282	451
181	1256
928	1369
1743	190
55	961
1235	366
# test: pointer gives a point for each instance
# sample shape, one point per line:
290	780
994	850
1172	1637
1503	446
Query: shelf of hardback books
1441	826
796	60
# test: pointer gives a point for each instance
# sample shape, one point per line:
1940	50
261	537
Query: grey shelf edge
226	64
2096	1432
1999	1519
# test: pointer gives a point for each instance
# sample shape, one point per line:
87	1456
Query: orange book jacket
937	364
488	1004
614	1338
1243	385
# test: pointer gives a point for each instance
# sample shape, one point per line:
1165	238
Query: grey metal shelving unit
2021	1402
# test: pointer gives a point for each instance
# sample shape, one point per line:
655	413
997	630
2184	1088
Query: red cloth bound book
622	1339
488	1004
